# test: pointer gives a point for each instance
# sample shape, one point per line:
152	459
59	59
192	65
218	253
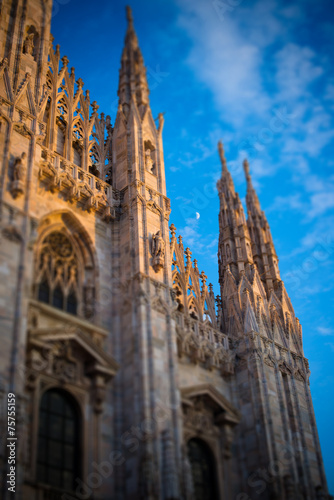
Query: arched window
57	273
58	453
203	470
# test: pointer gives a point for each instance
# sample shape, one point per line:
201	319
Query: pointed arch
66	268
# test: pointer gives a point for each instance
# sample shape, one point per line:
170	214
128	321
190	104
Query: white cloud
290	202
315	203
224	60
249	61
325	331
296	69
321	203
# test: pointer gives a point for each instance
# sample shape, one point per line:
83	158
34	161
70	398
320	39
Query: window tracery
62	108
88	144
58	273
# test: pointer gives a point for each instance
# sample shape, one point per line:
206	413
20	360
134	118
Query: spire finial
130	37
246	169
129	15
132	87
222	155
252	201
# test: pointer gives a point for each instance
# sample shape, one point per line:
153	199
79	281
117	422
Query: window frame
68	401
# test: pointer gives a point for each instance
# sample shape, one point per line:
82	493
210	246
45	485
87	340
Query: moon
197	215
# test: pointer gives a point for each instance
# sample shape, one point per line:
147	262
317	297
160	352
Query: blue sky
258	75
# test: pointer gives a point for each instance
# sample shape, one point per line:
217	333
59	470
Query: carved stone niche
68	356
31	42
207	413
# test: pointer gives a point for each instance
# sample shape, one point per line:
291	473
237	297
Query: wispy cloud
252	66
325	331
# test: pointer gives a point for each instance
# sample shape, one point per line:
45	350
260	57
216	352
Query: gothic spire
234	241
132	74
252	200
225	184
263	248
222	156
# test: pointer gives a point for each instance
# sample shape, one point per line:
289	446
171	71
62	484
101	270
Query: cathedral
123	376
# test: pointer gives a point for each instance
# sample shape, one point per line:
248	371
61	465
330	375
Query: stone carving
79	186
11	233
199	419
28	46
22	129
42	133
167	209
255	354
19	168
158	251
209	351
19	174
299	376
149	164
284	368
269	360
65	370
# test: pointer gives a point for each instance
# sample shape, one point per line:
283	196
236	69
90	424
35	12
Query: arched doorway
203	470
58	456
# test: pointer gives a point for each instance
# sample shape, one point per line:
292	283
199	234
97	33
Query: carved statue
148	161
159	245
28	46
19	168
158	251
19	173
